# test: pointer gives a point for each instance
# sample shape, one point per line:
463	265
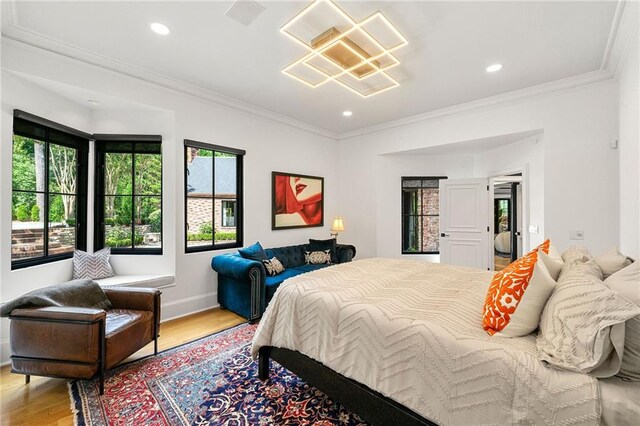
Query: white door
464	222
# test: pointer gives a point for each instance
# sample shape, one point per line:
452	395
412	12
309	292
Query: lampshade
337	226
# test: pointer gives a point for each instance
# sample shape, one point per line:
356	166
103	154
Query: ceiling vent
244	11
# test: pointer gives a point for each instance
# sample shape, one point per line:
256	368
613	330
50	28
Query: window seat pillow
135	280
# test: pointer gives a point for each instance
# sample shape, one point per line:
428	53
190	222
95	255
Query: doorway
507	219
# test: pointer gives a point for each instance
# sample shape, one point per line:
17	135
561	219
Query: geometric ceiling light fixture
355	55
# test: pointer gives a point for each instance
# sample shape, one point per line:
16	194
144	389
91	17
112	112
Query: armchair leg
155	345
27	379
101	383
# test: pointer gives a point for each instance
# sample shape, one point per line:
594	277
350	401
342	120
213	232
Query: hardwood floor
46	401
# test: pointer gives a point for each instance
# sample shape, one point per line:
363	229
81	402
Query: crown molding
578	81
623	32
21	36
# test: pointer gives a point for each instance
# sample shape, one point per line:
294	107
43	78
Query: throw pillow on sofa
93	266
253	252
612	261
324	245
317	257
273	266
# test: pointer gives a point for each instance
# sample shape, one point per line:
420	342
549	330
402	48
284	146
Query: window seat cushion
149	281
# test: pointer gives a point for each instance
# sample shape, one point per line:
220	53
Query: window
49	196
128	204
421	215
213	196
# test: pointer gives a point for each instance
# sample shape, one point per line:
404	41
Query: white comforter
412	331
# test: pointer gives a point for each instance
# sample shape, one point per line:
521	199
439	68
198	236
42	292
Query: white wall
629	152
270	146
580	169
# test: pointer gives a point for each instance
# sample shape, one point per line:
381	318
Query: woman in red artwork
298	201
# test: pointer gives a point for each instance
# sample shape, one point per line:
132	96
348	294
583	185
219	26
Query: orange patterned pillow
517	295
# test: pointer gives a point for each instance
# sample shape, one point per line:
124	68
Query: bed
400	342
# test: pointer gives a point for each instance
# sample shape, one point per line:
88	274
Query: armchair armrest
60	313
136	298
237	267
345	252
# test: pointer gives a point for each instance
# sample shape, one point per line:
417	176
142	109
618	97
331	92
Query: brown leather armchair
82	343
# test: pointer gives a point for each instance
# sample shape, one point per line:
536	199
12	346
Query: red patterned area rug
211	381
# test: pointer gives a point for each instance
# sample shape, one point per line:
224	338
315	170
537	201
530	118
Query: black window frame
405	215
124	144
239	153
49	132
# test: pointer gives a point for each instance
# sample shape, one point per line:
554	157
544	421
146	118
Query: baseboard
189	305
170	311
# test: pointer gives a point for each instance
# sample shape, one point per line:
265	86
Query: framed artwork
297	201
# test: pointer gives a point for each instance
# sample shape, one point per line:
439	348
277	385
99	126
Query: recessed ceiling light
159	28
93	102
347	113
494	67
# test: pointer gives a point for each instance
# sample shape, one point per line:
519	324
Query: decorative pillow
92	266
576	254
582	326
317	257
626	282
273	266
323	245
612	261
517	296
553	260
253	252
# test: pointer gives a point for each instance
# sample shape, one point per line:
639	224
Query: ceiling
450	45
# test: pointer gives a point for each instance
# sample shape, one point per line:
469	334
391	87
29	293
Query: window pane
117	221
117	174
27	226
148	174
28	164
431	201
62	169
430	183
225	197
62	224
431	234
411	183
199	214
411	202
199	172
148	219
412	234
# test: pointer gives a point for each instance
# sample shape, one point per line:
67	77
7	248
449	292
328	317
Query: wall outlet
576	234
533	229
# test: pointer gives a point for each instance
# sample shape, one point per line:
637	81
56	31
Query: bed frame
372	406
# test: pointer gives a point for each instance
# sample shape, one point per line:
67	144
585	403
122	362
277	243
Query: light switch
533	229
576	234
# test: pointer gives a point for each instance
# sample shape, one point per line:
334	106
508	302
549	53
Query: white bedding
412	331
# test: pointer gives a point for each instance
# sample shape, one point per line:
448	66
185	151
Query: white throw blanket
412	331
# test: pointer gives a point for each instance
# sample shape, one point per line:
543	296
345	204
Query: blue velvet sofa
244	286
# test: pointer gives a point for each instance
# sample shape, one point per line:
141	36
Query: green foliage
71	222
22	214
121	237
35	213
220	236
56	209
155	220
206	228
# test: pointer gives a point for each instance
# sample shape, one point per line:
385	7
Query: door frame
524	170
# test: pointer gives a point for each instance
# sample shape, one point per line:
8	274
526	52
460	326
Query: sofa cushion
278	279
289	256
253	252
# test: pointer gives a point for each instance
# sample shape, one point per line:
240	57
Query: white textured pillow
582	326
626	282
92	266
612	261
317	257
576	254
553	261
